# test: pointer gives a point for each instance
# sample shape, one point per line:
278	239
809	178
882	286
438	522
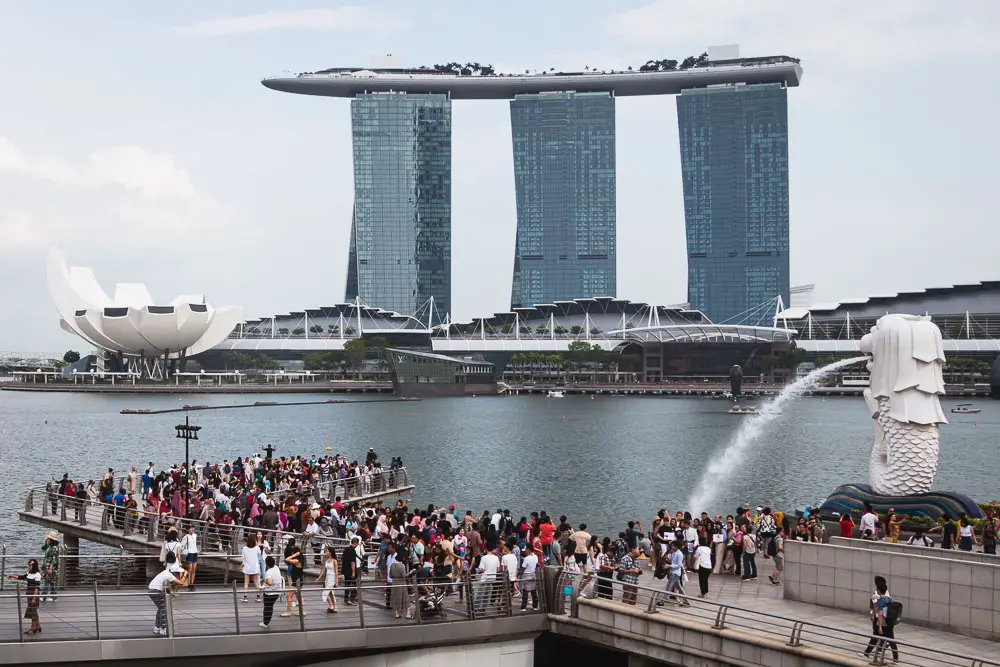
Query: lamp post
188	433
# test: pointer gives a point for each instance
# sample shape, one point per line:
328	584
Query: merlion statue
735	380
906	382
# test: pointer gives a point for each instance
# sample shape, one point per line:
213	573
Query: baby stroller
432	603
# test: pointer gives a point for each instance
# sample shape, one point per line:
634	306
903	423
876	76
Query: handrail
722	615
181	615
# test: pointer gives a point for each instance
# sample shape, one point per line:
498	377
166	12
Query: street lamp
188	433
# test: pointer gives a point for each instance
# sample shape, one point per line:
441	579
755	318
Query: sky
138	138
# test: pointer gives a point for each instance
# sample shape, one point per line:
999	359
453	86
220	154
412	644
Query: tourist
882	624
172	545
251	566
581	542
919	539
32	586
189	550
737	550
330	577
265	551
606	565
486	591
675	580
529	568
50	567
703	564
778	554
293	564
966	535
801	532
846	525
766	529
510	563
158	588
628	574
349	566
949	532
719	538
749	557
990	535
869	522
272	585
399	591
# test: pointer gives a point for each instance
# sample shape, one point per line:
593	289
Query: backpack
893	613
772	547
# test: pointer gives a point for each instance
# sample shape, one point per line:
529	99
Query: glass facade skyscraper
564	178
400	247
734	165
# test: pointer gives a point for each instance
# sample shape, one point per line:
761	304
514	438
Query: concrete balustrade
911	549
942	593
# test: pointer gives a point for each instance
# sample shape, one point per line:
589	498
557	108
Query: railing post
298	596
468	596
29	501
360	601
3	565
508	593
61	570
97	617
225	570
236	606
83	511
170	611
720	618
62	508
20	614
416	600
796	637
45	504
118	575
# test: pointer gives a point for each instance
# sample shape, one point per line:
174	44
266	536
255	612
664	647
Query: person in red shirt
846	525
546	532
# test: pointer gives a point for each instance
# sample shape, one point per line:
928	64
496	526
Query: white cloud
130	167
350	17
129	192
859	34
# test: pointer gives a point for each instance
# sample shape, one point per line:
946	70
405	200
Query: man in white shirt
509	563
495	520
530	565
486	591
691	538
869	521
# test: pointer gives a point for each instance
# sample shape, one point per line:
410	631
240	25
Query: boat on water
556	393
965	409
743	410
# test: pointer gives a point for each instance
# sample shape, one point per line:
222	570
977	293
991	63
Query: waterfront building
564	179
734	166
416	373
399	253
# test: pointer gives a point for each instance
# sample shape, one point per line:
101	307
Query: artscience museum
141	335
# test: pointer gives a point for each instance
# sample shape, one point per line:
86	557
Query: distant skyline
143	144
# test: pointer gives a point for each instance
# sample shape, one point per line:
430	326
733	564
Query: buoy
564	416
329	449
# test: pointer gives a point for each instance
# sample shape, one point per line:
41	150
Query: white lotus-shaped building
131	323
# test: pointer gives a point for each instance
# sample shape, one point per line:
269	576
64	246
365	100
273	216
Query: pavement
203	612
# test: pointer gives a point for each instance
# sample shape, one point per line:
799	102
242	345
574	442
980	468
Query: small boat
743	410
965	409
556	393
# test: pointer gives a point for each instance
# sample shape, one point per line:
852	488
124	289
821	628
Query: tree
348	330
525	330
71	356
576	330
332	329
316	329
355	351
595	332
298	331
283	331
689	62
560	329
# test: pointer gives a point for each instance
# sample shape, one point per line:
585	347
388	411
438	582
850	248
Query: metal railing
97	613
569	592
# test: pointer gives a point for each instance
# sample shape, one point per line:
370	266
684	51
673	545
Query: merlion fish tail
906	460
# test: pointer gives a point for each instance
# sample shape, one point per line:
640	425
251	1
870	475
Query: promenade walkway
756	609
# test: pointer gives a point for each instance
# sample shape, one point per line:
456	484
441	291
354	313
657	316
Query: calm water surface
601	460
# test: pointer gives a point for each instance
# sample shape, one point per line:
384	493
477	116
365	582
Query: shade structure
131	322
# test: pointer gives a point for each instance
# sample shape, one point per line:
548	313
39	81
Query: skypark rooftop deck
348	82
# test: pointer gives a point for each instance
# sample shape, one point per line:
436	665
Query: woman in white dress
251	566
330	577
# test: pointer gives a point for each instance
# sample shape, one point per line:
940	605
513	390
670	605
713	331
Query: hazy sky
137	136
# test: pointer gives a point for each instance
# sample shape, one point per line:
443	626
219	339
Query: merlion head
907	355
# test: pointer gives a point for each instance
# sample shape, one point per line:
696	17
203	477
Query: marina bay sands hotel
733	122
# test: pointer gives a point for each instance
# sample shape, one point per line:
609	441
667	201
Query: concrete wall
941	593
516	653
932	552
